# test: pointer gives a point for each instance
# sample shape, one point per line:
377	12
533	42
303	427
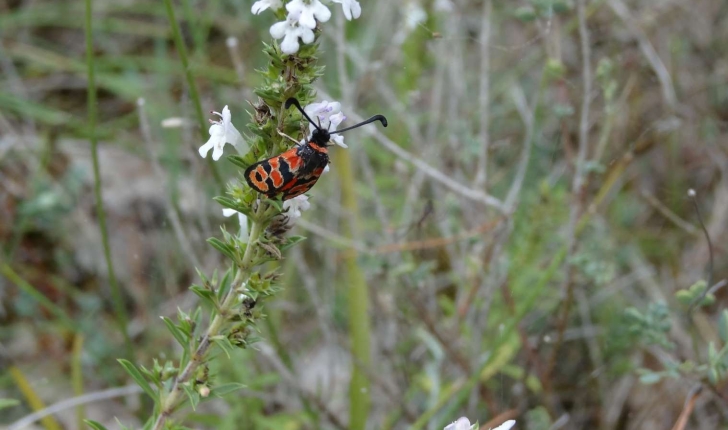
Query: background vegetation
521	230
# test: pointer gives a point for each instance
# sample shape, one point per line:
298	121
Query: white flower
461	424
464	424
351	8
295	205
414	15
308	13
221	132
262	5
329	115
242	219
323	109
291	31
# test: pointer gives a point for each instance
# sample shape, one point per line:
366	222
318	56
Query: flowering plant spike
273	167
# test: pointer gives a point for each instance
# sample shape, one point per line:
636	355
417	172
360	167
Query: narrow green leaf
8	403
122	426
723	326
224	286
276	203
192	395
151	376
223	248
712	353
94	425
238	161
650	378
138	377
176	332
202	276
232	204
203	293
291	242
224	344
223	389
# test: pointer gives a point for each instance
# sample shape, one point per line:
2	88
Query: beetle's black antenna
293	101
372	119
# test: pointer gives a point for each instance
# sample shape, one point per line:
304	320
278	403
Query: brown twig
682	420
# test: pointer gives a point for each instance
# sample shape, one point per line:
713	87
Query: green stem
77	377
194	94
121	316
358	301
216	326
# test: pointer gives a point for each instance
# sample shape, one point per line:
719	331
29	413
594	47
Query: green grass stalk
358	304
121	316
194	94
77	377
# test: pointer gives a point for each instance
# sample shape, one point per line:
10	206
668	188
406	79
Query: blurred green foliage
466	304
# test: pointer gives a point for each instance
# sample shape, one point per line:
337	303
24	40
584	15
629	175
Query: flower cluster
301	19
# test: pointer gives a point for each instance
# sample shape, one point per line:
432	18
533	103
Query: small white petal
262	5
226	114
506	425
217	152
336	119
278	29
461	424
334	107
295	205
290	44
243	221
355	8
339	140
351	8
321	12
227	212
233	136
295	5
307	35
204	149
216	130
307	20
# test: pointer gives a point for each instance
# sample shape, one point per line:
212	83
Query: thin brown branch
688	408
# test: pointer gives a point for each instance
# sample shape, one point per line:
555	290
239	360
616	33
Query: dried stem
481	176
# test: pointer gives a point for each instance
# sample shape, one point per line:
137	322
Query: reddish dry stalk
682	420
